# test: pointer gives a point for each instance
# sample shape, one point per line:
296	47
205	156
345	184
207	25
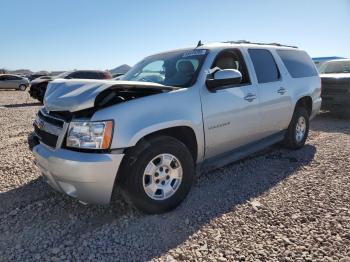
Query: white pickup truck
173	113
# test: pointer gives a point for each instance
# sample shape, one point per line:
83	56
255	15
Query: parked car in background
8	81
120	70
198	107
320	61
34	76
335	76
39	85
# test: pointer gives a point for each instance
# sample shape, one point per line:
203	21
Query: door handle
250	97
281	91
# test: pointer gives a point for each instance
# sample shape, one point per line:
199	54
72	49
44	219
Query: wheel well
183	133
305	102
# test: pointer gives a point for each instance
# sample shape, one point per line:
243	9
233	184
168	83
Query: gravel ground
277	205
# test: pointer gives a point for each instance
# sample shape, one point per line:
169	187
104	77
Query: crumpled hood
76	94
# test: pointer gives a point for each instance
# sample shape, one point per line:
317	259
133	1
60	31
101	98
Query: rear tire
158	174
298	129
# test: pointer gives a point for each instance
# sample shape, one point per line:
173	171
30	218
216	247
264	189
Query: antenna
199	43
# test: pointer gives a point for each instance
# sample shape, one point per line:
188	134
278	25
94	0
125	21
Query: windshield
335	67
178	68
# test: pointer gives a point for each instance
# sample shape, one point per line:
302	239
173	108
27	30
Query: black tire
290	140
134	165
22	88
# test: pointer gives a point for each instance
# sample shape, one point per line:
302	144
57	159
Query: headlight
90	135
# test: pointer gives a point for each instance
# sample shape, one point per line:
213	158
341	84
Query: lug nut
157	181
163	182
166	170
156	174
161	169
167	177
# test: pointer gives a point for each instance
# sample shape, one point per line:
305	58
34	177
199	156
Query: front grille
48	128
45	137
51	120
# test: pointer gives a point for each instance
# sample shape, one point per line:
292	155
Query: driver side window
232	59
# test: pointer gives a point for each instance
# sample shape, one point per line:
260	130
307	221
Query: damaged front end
71	100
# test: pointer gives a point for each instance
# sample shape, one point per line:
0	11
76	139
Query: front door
230	115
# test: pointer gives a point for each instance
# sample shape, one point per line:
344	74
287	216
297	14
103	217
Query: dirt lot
278	205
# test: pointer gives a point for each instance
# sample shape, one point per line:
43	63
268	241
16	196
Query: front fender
137	118
161	126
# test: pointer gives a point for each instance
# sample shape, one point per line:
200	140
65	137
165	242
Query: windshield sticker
195	52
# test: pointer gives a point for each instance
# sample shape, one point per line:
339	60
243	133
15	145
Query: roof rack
248	42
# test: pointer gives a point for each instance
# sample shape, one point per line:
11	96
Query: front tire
22	88
159	174
298	129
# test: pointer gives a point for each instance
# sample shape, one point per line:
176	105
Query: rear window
86	75
265	66
298	63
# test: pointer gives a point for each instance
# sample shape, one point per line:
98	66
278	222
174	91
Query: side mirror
222	78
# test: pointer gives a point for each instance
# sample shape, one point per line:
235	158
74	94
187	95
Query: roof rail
257	43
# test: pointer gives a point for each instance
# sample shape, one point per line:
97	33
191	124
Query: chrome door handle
250	97
281	91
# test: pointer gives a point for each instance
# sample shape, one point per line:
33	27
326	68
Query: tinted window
92	75
87	75
232	59
265	66
13	78
78	75
298	63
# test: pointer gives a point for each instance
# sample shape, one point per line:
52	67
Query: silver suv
173	113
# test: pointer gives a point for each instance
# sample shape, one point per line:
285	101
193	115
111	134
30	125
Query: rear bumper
88	177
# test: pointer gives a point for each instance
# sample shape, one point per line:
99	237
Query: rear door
230	115
275	100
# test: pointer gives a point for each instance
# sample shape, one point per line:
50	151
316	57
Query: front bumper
336	103
88	177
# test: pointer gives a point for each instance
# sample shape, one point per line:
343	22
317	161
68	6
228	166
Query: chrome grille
48	128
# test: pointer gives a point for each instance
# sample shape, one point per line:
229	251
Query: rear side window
298	63
13	78
265	66
85	75
92	75
75	75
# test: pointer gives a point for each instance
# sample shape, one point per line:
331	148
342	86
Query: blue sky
82	34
